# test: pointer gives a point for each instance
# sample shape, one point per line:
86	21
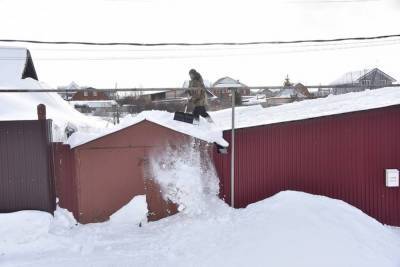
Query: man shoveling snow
198	96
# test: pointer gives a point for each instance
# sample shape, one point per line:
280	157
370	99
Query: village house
229	82
90	94
349	82
169	100
288	94
93	101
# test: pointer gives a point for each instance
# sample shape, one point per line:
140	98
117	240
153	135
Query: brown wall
110	169
65	178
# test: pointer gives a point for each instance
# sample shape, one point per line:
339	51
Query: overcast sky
202	21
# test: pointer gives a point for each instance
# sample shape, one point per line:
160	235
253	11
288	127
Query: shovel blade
184	117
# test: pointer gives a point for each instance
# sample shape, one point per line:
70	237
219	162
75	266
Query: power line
200	44
274	87
172	49
305	49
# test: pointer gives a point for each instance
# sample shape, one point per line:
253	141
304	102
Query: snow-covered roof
204	131
228	82
333	104
288	93
22	106
15	64
350	77
355	76
95	103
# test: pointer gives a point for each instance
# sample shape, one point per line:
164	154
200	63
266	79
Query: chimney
41	112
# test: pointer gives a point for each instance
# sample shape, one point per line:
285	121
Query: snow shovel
184	116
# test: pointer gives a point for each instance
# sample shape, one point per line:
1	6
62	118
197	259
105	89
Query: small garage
345	147
97	174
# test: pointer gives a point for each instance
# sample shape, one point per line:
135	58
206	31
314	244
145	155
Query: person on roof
198	96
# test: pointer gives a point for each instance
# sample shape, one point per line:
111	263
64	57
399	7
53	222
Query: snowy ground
289	229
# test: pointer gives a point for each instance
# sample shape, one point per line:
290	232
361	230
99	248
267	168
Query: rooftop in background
355	76
16	64
228	81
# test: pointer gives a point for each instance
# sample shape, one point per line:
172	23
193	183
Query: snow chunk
133	213
186	178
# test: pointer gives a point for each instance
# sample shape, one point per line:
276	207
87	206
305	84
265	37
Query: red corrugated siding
342	156
64	168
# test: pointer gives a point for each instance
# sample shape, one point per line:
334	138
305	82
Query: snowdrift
22	106
289	229
331	105
204	131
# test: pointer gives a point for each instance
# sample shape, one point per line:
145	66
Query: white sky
201	21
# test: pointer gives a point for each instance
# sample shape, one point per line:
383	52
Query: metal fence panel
341	156
26	175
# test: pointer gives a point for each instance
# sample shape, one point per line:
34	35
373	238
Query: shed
100	173
339	146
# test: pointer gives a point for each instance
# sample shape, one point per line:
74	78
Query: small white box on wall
392	178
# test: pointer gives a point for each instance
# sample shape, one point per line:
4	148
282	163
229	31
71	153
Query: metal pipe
233	150
25	90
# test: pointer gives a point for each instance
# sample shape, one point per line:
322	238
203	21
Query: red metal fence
341	156
26	174
65	177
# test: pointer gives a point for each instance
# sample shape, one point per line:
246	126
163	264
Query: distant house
89	94
66	92
288	94
267	93
173	95
16	64
229	83
348	82
95	107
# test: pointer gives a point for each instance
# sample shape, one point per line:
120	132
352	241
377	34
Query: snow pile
186	178
63	221
133	213
204	131
288	229
23	227
255	116
23	106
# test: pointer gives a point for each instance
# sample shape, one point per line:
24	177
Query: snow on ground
22	106
288	229
333	104
203	131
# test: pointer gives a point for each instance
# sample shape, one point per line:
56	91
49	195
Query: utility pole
233	149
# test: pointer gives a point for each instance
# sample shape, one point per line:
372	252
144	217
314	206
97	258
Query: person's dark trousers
200	111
